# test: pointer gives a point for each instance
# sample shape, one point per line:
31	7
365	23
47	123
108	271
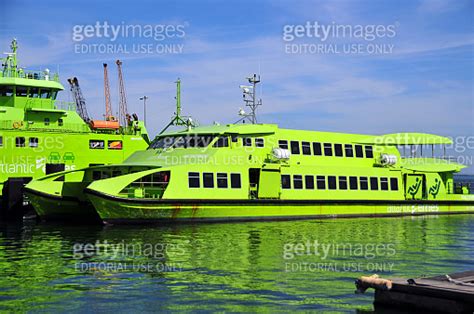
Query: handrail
30	74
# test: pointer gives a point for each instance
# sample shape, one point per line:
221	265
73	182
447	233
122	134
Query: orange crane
108	105
124	117
110	122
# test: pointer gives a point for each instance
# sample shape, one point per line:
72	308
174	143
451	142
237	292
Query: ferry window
331	182
359	152
364	184
194	141
234	138
295	147
259	142
193	179
208	180
1	141
374	183
180	142
297	181
338	150
353	183
20	142
306	148
33	142
384	184
117	173
6	91
321	182
54	94
285	181
45	93
317	149
114	145
343	183
96	144
309	182
247	141
60	122
34	92
283	144
327	149
394	184
349	151
222	141
46	121
369	153
162	142
222	180
21	91
235	182
96	175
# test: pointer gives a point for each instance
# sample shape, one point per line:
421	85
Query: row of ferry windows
21	142
198	141
340	182
327	149
24	91
222	180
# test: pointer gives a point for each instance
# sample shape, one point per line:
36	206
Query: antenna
249	97
179	120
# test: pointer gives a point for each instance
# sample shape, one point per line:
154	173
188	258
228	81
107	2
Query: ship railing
65	105
25	125
57	104
7	124
30	74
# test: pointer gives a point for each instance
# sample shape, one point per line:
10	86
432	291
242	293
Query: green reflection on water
232	267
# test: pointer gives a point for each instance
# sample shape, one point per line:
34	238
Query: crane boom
124	117
108	105
79	99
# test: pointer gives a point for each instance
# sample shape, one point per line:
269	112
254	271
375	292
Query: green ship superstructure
40	134
261	171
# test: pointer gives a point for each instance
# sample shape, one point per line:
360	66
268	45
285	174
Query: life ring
17	124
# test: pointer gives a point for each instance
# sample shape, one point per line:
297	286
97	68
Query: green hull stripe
263	202
265	218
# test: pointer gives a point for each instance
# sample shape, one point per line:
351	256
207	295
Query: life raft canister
17	124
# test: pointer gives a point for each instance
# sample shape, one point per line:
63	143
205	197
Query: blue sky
424	84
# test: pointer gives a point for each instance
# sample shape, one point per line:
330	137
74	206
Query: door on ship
254	177
269	185
415	186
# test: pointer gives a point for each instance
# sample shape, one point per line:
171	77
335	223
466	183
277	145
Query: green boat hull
63	209
115	210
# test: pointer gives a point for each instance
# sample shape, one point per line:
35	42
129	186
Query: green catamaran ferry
41	135
261	171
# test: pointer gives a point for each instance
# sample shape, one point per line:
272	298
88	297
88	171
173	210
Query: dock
453	293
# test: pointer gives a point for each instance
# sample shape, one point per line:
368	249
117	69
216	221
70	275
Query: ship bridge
25	89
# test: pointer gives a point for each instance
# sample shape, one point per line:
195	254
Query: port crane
108	104
79	99
124	117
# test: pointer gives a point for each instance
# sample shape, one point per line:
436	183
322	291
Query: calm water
272	266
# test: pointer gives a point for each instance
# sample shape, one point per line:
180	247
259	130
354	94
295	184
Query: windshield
188	141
